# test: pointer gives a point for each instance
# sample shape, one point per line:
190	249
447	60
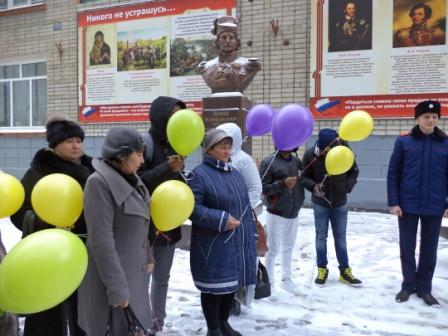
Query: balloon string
269	165
245	139
324	151
322	195
182	174
168	239
233	230
185	173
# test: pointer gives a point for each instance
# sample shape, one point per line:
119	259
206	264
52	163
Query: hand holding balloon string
233	223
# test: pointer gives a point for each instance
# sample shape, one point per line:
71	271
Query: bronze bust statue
228	72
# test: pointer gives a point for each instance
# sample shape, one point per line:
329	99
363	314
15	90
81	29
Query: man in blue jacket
417	190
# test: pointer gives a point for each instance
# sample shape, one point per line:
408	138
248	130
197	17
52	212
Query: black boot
429	299
236	308
403	295
214	332
227	330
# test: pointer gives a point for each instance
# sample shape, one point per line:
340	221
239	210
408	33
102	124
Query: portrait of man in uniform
350	25
424	29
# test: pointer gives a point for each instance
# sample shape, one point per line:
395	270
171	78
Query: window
11	4
23	94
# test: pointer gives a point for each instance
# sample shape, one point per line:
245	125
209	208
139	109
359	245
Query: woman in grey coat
117	218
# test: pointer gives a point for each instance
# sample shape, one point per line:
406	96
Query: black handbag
135	328
28	225
263	286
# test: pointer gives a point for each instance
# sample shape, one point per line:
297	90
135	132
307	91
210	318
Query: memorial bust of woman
228	72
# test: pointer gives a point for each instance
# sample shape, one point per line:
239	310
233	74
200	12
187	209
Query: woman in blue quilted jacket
223	253
417	190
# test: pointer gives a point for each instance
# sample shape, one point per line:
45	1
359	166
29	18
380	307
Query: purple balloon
259	120
292	127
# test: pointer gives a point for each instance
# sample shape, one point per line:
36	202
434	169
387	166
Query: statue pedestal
227	107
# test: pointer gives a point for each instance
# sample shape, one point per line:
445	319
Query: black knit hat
326	137
121	142
60	129
427	106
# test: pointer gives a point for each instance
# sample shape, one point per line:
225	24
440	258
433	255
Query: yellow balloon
185	131
57	199
339	160
356	126
172	203
12	195
41	271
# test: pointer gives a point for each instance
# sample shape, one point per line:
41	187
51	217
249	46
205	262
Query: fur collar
438	133
48	162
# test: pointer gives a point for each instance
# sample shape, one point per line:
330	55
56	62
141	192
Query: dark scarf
132	179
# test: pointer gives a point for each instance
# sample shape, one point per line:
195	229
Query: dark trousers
216	308
163	256
418	277
55	321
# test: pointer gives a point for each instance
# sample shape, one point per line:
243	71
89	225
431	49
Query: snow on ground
335	309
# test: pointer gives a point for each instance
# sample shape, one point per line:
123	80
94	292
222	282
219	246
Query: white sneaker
289	286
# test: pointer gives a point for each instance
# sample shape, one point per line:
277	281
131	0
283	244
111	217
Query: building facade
39	78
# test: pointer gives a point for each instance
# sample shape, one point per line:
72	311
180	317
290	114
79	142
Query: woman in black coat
64	155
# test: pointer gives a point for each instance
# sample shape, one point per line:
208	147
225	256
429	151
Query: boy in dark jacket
329	198
284	197
417	189
163	165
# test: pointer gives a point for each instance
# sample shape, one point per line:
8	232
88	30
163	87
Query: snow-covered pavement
335	309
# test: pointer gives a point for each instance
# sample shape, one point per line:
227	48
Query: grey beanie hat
213	136
121	142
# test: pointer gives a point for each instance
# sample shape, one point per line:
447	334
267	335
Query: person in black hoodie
163	165
329	198
64	155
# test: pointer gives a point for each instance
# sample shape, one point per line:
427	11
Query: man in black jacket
163	165
329	198
284	197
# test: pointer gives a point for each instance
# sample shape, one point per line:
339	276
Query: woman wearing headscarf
223	253
63	155
117	218
247	167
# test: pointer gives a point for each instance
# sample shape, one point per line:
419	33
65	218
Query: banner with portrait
129	55
381	56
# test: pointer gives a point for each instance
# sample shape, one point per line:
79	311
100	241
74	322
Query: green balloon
185	130
41	271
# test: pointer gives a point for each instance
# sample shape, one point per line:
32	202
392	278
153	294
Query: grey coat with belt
117	219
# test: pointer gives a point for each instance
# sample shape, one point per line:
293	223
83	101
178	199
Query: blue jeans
338	218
